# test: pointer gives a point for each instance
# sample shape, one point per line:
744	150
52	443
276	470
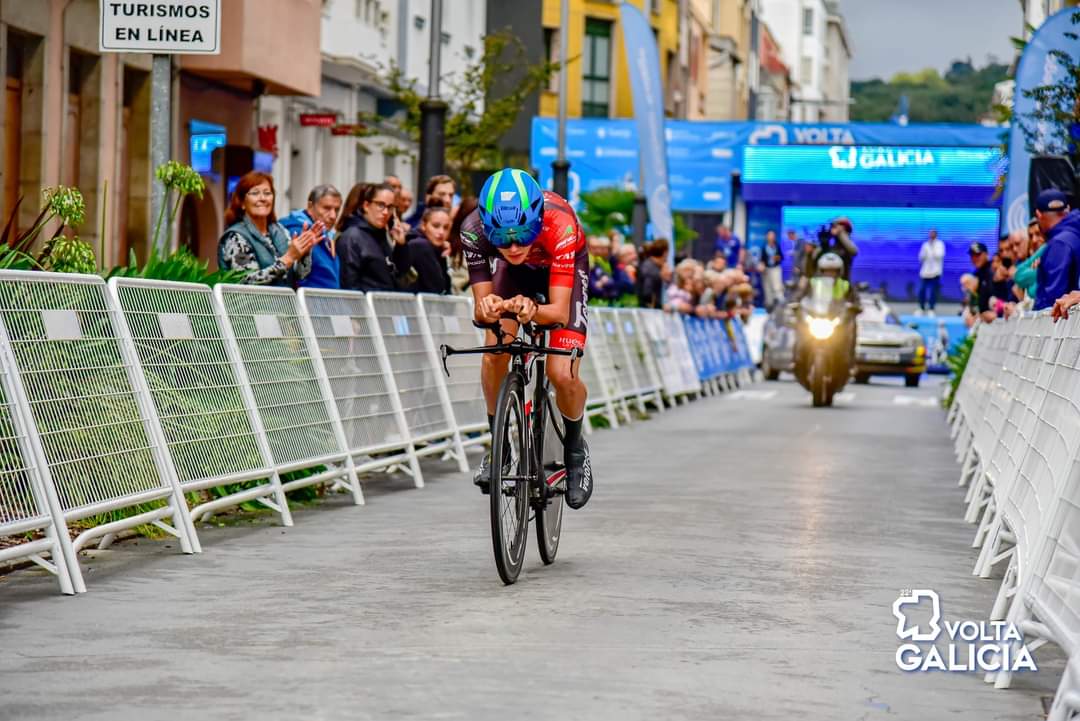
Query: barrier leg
978	495
965	470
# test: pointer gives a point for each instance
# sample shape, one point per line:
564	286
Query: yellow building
598	84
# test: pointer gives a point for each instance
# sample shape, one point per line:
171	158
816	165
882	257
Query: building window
470	52
806	71
596	69
551	55
808	21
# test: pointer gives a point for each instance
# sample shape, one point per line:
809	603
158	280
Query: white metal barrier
74	383
400	335
638	351
606	324
447	320
131	394
27	505
595	373
360	380
206	415
1023	399
265	327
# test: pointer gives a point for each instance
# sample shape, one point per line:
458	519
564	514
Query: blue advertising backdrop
889	240
702	155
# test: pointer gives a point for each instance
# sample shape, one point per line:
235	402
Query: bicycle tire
550	471
510	499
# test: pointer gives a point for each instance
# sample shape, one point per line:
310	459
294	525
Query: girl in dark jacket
371	246
428	250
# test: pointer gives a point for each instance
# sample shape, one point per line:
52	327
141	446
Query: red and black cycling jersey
557	258
560	241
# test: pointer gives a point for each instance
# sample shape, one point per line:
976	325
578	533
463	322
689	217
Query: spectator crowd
374	239
1036	268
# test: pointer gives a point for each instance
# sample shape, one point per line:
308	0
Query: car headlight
822	328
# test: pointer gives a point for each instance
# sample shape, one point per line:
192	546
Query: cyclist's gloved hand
489	308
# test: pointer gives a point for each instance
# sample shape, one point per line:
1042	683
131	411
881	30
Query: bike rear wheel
510	474
551	481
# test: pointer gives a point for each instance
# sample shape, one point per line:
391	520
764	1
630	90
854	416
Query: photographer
837	239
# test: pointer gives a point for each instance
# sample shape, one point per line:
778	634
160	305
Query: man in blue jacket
324	203
1059	269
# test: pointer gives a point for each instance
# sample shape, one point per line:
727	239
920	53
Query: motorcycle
825	331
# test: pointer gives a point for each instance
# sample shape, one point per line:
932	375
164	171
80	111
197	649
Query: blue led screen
841	164
889	240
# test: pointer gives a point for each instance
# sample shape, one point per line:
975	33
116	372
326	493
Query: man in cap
1059	270
984	274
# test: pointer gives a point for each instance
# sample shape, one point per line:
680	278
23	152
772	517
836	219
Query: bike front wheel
551	479
510	473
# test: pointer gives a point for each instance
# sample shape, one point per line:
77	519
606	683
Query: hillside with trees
962	95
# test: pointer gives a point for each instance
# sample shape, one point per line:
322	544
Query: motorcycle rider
830	265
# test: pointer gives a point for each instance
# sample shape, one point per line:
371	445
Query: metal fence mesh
19	503
1056	586
65	344
450	320
347	345
278	362
397	316
178	338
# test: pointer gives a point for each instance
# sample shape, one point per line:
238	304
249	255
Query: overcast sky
891	36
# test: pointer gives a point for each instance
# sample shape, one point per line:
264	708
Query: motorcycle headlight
822	328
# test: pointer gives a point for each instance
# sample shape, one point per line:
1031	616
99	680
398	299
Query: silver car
884	346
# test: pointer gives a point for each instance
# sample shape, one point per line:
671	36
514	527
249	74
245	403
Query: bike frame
528	360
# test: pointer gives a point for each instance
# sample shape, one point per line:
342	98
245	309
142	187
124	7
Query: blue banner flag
644	62
1037	67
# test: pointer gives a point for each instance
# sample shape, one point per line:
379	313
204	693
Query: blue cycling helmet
511	208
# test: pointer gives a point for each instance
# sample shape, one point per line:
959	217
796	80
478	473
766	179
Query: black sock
491	424
572	434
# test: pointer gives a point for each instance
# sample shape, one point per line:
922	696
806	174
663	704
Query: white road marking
916	401
751	396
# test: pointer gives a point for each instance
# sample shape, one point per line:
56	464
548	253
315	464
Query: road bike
528	438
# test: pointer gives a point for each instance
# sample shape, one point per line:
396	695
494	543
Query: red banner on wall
321	120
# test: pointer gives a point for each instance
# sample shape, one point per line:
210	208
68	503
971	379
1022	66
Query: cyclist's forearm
552	313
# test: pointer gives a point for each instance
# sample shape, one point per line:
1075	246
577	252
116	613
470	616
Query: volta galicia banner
644	62
701	155
1037	67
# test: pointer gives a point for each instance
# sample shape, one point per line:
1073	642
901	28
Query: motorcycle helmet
830	264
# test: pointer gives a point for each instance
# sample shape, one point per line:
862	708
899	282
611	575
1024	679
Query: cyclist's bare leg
493	368
570	392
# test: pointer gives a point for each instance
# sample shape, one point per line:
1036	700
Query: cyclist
519	242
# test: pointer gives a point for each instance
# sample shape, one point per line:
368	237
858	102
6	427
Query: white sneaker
931	313
918	312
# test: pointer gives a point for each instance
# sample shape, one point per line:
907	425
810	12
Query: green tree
605	209
1054	123
483	104
963	95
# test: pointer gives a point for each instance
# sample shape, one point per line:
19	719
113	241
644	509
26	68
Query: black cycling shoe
579	478
482	479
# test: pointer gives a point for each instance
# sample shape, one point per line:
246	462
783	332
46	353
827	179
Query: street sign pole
192	27
560	181
160	139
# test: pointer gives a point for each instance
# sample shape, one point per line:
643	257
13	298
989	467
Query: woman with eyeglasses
372	242
256	243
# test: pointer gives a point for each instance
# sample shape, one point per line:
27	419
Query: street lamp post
561	167
432	110
160	138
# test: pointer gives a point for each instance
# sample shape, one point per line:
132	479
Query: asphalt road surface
739	560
